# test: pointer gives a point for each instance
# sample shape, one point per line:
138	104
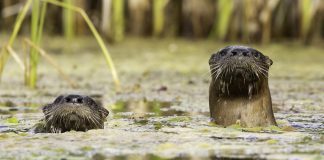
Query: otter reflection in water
73	112
239	88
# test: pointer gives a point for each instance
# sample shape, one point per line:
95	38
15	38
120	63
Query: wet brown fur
65	114
236	95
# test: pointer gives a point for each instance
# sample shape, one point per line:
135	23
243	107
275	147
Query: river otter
73	112
239	88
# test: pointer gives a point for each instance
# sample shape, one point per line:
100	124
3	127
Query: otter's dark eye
234	53
79	100
68	99
222	53
89	101
58	99
255	54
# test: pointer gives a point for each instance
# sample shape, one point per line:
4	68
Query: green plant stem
19	20
68	21
305	16
118	20
224	13
41	22
33	52
158	16
36	35
308	9
96	35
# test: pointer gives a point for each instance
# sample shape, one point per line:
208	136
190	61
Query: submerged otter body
73	112
239	88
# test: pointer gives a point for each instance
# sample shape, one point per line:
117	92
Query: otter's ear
269	61
104	112
46	108
58	99
212	58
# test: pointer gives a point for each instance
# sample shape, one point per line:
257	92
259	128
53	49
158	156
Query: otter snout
74	99
240	52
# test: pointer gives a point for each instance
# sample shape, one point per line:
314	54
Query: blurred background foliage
248	21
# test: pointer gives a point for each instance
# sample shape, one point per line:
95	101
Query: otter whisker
215	65
92	120
263	73
214	71
218	72
88	120
223	73
263	69
95	122
255	71
212	68
96	117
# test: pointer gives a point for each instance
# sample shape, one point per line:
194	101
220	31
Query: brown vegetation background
260	21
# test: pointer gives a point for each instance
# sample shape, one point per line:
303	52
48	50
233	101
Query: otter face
239	88
239	71
239	63
74	112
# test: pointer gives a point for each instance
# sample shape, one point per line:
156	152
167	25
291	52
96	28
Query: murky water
162	111
150	108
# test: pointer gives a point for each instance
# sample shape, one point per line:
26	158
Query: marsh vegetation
160	50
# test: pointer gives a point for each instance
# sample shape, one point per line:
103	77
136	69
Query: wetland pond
162	110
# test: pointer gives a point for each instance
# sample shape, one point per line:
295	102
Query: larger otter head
239	70
239	89
74	112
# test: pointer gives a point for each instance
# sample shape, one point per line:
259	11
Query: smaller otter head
239	68
74	112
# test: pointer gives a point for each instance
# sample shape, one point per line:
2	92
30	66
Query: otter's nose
240	52
74	99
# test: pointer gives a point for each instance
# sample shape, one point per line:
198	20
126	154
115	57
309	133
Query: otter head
74	112
239	70
239	90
